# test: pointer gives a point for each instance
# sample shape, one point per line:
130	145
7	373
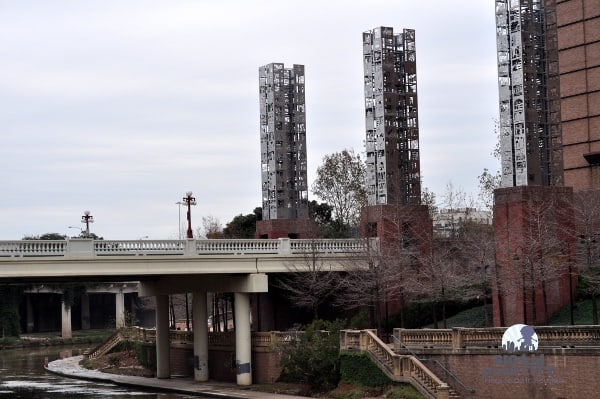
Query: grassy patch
470	318
582	314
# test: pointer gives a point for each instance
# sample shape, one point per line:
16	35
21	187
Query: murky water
22	376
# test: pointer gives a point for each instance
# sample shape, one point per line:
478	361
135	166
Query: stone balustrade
259	339
93	248
459	339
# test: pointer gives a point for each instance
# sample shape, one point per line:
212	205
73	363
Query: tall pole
179	219
87	219
189	201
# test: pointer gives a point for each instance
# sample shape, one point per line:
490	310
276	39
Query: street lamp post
189	201
87	219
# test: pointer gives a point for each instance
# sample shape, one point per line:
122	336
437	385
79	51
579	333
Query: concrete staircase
400	368
102	349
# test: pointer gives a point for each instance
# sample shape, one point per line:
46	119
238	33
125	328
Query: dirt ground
122	363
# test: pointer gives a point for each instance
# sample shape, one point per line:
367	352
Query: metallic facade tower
529	89
283	142
391	110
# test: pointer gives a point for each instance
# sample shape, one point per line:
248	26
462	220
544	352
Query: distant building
447	222
391	111
283	153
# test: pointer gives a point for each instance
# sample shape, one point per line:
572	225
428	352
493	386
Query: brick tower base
535	253
402	230
286	228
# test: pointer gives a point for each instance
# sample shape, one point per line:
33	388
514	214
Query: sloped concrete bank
69	367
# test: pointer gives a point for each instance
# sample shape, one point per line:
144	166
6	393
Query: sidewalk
69	367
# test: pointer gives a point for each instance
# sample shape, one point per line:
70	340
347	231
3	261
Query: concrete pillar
163	362
200	328
243	345
85	312
30	320
119	310
66	331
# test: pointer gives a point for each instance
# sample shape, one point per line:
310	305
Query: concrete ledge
70	368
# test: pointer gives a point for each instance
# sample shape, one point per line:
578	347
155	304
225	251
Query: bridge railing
33	248
91	248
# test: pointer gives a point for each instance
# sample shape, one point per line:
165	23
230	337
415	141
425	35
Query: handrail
451	374
189	247
446	370
406	368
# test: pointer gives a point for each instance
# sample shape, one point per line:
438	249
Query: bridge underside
165	285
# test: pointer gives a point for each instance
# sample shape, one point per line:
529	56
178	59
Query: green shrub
358	369
313	357
146	355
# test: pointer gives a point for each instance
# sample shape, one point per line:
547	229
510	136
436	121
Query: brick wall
284	228
221	363
181	357
578	36
563	376
534	231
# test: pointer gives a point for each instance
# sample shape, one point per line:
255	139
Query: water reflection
22	376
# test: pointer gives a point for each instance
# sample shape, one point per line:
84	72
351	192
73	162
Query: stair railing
444	368
403	368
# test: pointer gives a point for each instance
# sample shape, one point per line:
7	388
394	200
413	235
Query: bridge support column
163	362
119	310
85	312
243	346
66	331
200	328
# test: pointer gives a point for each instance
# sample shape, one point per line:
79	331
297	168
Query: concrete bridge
165	267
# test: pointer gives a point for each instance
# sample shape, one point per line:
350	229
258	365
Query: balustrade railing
259	339
33	248
463	338
91	248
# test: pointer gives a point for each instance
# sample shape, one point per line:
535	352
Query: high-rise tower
530	137
392	131
283	142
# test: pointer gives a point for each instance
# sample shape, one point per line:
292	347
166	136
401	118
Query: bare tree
478	253
211	227
439	275
544	254
587	230
310	281
370	281
379	281
453	200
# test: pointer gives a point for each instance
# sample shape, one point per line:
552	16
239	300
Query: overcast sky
120	107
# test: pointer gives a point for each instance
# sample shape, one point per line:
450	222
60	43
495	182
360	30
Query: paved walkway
69	367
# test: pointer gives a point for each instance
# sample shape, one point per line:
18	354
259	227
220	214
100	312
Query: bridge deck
143	259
